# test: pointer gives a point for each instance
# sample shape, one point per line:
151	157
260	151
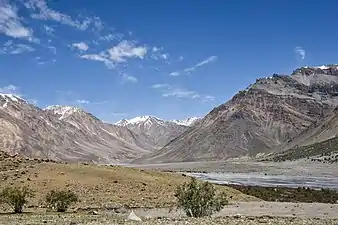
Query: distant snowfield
254	179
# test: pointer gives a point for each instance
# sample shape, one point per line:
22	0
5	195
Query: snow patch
150	120
186	122
10	97
64	111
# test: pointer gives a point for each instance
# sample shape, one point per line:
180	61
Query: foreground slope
272	112
102	187
72	136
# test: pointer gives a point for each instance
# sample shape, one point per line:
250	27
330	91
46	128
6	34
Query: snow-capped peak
149	120
64	111
10	98
186	122
138	120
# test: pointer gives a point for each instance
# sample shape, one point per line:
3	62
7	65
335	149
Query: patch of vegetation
199	199
285	194
324	148
60	200
16	197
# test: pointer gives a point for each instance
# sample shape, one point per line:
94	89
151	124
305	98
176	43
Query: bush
60	200
16	197
199	199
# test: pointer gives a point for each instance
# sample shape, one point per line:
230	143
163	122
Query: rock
72	223
94	212
133	217
121	210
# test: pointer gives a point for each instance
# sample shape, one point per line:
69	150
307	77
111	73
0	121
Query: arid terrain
111	192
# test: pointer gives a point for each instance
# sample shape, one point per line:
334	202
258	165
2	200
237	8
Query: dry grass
99	186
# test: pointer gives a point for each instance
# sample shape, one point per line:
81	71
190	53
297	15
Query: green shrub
199	199
16	197
60	200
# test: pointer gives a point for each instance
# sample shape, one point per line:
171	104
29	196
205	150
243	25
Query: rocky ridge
270	114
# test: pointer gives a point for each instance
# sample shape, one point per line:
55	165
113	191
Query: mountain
64	133
191	121
156	131
269	115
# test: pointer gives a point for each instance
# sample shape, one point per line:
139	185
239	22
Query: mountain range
70	134
273	114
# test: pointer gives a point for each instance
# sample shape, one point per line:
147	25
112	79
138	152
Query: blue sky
172	59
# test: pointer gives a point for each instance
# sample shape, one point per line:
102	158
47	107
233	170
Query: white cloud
191	69
174	74
95	57
208	98
301	52
14	49
10	89
10	23
124	50
82	101
206	61
41	61
165	56
43	12
170	91
156	86
128	78
111	37
180	59
118	54
49	30
80	46
181	93
156	49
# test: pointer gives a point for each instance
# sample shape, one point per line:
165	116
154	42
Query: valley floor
295	168
248	213
113	190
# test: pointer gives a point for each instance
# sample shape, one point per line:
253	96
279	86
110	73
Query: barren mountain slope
156	131
269	113
30	131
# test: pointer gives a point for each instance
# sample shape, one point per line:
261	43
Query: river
254	179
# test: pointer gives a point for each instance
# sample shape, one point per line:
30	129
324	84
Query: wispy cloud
43	12
118	54
14	90
80	46
82	101
11	89
49	30
191	69
11	25
169	91
300	52
87	102
128	78
41	61
14	49
124	50
157	53
157	86
111	37
174	74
